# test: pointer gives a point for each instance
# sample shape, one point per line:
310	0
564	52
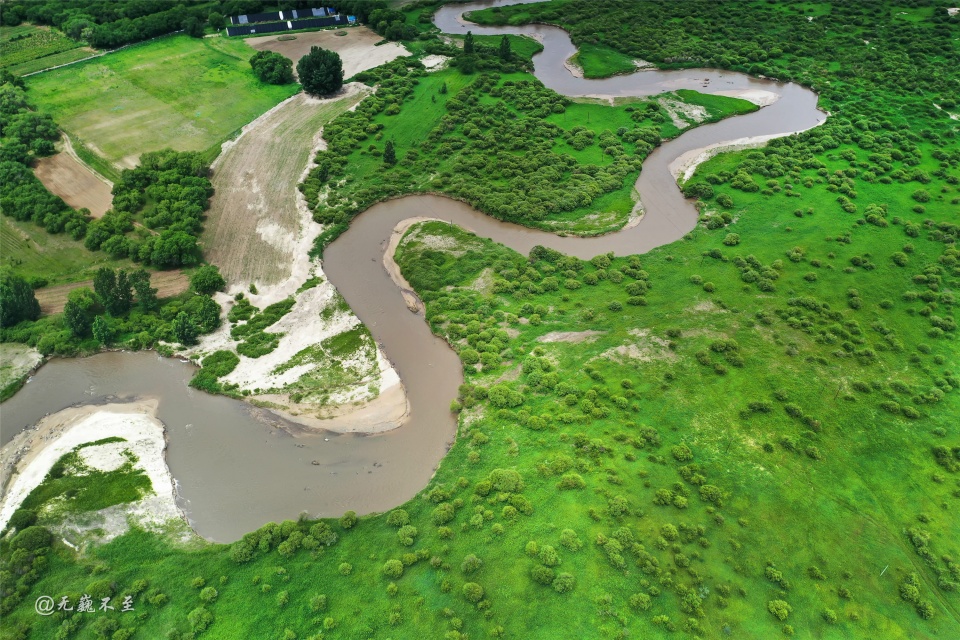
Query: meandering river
238	467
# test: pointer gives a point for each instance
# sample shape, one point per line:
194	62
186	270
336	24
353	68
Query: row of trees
27	135
122	307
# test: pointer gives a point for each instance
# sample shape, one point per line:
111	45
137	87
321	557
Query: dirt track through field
356	48
73	181
167	283
254	225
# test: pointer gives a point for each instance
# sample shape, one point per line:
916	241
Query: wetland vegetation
752	431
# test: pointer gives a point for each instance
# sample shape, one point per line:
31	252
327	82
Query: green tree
79	311
193	27
185	329
272	68
505	52
17	301
468	47
207	280
146	295
102	331
215	20
389	154
320	72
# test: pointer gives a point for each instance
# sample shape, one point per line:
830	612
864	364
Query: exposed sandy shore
26	460
16	361
575	70
386	412
277	220
758	97
684	167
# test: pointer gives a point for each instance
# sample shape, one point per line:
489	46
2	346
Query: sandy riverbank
683	168
26	460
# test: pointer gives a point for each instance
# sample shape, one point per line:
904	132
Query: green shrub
473	592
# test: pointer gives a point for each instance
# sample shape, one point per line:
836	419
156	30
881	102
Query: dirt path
66	176
356	47
167	283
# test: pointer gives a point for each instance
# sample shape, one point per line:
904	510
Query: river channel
238	467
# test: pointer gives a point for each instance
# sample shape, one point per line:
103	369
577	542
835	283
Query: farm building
286	21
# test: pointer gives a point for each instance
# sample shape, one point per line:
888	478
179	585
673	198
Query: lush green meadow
55	258
598	61
187	93
752	432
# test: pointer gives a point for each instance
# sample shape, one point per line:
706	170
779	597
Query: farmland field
253	224
137	100
28	48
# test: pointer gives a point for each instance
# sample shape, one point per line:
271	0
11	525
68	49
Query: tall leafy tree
17	301
389	154
468	47
320	72
505	52
185	329
207	280
146	295
102	331
79	312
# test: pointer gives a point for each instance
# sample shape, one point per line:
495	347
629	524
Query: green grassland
186	93
757	438
598	61
54	257
73	487
28	48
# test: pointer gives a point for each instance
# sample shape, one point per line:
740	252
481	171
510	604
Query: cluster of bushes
250	327
472	153
107	25
23	558
170	191
272	68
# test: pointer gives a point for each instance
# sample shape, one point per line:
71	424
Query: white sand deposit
758	97
31	454
683	168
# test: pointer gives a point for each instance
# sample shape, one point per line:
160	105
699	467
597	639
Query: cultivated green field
186	93
28	48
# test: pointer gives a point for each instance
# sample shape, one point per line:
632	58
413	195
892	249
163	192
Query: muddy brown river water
238	467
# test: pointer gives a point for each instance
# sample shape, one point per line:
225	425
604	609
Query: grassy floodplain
502	142
752	432
187	93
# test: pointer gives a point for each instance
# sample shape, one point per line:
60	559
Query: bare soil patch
167	283
255	228
356	49
73	181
